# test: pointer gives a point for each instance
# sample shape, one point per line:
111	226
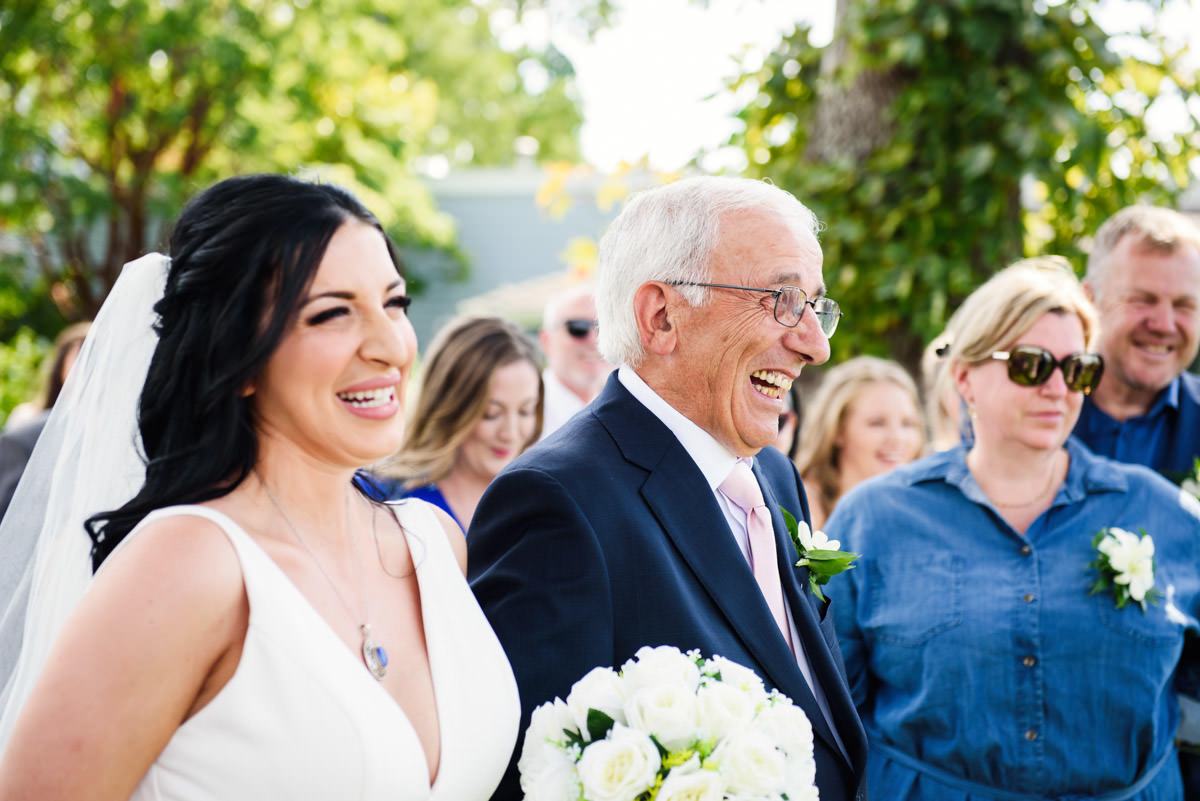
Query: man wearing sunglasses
655	516
575	370
1144	276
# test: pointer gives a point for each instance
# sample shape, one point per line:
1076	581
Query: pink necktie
742	488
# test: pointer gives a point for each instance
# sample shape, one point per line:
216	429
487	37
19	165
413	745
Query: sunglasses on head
1031	366
580	328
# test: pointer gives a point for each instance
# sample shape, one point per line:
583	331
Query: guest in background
863	420
575	370
985	663
23	428
479	407
1144	275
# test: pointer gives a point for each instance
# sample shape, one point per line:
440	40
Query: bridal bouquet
669	726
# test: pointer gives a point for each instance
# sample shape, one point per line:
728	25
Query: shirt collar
1086	474
714	459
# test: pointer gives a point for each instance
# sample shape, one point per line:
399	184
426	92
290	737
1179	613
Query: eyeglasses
789	304
579	328
1031	366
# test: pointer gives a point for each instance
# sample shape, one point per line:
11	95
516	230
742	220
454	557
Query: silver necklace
1035	498
373	652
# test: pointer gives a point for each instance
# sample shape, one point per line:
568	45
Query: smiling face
333	388
1035	418
734	363
1149	306
881	430
507	424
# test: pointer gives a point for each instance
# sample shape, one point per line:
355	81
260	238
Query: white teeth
369	399
778	383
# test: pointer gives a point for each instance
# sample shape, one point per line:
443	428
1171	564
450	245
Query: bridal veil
88	459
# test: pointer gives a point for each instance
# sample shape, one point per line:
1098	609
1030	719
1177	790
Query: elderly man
628	527
1144	275
575	370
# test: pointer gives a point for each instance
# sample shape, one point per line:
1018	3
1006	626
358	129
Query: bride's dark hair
243	254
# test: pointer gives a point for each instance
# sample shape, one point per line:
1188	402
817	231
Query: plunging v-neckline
360	668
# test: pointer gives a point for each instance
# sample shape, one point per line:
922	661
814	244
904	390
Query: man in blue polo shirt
1144	275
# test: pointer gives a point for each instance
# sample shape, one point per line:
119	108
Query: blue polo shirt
1138	440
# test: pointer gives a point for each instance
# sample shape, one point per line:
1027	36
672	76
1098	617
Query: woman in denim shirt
983	665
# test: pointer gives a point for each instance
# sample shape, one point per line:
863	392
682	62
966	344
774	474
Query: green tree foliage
941	141
112	114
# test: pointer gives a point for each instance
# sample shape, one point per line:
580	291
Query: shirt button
1028	597
1030	735
1026	550
1029	661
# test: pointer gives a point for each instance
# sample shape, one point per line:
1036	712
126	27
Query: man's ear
652	311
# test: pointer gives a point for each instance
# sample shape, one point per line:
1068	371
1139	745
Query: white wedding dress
301	718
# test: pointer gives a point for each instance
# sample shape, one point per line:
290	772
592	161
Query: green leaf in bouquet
598	724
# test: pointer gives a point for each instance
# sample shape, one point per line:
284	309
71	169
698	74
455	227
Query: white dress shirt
715	462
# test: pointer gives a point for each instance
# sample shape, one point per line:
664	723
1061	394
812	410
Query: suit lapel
820	654
696	526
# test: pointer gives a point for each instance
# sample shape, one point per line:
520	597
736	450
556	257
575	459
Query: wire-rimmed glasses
789	304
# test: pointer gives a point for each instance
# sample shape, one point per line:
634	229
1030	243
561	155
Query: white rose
739	676
599	689
723	709
544	740
620	767
662	665
554	779
788	727
750	764
668	711
700	785
548	723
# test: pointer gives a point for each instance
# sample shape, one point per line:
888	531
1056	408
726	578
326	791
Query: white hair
669	234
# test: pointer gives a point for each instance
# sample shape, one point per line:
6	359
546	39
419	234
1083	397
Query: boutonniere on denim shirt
1191	482
818	553
1126	565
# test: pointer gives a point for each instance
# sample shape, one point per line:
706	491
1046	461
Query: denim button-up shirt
980	654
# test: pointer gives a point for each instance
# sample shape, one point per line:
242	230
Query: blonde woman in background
479	407
863	420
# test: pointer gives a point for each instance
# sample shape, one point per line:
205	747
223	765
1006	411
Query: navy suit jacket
606	537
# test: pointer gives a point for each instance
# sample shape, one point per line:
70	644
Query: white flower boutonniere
818	553
1191	482
1125	562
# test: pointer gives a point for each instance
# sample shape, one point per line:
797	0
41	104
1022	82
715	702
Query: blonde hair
1011	301
455	386
824	417
1155	228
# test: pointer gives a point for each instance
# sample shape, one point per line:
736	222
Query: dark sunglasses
1031	366
580	328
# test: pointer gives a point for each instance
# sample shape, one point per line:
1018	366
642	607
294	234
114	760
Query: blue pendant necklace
374	654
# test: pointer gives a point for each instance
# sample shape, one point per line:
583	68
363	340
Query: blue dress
982	666
392	489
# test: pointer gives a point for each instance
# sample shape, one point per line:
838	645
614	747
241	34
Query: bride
256	626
